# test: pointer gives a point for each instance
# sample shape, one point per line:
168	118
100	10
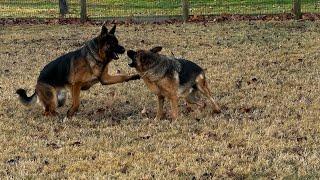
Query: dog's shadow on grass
104	110
114	111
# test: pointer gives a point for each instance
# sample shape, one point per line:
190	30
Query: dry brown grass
265	75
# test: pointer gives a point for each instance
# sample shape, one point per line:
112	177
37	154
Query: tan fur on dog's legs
160	113
174	107
107	79
192	99
203	88
75	94
47	96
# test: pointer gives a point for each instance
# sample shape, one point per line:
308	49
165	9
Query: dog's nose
120	50
130	53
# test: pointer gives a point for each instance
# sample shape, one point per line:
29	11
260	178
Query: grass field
111	8
264	75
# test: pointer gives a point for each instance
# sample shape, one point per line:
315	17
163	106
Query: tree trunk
296	8
185	10
83	11
63	7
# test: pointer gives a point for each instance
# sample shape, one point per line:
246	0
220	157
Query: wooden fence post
83	11
185	10
296	9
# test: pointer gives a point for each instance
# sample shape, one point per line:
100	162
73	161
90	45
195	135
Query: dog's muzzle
118	50
132	64
131	55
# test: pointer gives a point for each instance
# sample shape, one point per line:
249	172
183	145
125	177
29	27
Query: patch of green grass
116	8
265	75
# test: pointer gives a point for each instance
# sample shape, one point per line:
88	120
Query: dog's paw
157	119
216	111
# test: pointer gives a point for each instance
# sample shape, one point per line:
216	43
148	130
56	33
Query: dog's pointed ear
156	49
113	30
104	29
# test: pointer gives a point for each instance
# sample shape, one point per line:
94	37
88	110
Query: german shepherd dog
77	70
171	78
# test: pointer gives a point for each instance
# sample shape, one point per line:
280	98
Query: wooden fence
144	10
185	9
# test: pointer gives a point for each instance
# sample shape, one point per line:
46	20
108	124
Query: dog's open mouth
115	55
131	62
131	55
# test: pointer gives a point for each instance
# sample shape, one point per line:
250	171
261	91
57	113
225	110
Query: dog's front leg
160	112
174	107
108	79
75	94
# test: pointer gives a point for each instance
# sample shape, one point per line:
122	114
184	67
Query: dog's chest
153	87
84	72
96	71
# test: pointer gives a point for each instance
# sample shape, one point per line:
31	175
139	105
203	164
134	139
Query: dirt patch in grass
265	75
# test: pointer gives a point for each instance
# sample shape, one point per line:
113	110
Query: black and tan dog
171	78
77	70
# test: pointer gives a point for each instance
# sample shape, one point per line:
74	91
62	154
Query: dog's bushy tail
24	99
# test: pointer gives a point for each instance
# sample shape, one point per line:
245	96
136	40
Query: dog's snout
130	53
121	50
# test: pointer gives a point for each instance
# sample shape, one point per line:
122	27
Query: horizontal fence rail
95	9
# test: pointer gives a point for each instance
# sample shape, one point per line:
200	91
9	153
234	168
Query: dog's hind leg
193	99
204	89
47	96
